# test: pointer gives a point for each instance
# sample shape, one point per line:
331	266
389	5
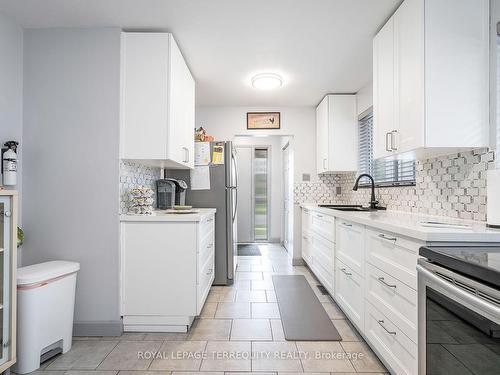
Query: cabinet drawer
323	225
394	255
306	248
206	246
350	245
206	276
326	276
396	349
322	251
349	293
207	225
395	299
306	219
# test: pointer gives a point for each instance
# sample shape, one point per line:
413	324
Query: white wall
276	196
11	88
364	98
226	122
71	133
300	122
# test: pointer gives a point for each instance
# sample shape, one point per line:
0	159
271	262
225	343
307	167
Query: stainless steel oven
458	323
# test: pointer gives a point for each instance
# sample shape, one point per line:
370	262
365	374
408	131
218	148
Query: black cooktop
480	263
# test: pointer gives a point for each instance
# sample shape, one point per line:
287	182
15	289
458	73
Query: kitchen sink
350	207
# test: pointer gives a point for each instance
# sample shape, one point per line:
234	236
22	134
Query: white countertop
160	215
410	225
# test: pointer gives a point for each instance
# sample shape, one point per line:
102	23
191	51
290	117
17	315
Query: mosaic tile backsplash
133	175
452	186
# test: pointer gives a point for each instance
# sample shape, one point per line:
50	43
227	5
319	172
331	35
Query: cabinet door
181	107
343	133
383	89
159	256
349	293
409	76
322	136
144	95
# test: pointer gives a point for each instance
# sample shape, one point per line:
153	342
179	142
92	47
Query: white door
245	188
287	198
383	90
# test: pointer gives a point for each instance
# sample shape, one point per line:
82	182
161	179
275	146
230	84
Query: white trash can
45	306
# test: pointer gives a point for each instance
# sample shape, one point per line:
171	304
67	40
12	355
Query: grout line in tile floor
272	262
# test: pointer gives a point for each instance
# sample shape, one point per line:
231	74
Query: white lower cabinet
306	248
393	254
349	293
394	298
323	225
323	258
167	269
371	274
390	342
350	245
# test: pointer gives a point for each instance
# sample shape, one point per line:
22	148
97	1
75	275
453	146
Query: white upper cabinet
383	88
336	134
157	101
431	79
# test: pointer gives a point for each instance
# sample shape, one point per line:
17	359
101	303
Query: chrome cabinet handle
388	138
318	215
324	160
384	237
186	154
381	322
345	272
347	224
394	146
382	280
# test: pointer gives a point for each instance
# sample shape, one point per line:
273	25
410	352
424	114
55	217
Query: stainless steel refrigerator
223	195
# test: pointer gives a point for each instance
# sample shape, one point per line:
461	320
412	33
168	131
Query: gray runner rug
302	314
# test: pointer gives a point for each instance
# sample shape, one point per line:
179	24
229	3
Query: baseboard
98	328
298	262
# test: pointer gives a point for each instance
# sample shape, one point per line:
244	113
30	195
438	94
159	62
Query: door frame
252	187
289	149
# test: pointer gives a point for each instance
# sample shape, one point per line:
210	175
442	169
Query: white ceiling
318	46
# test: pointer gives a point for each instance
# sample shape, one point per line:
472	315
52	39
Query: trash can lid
38	273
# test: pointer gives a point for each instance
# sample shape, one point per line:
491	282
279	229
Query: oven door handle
473	300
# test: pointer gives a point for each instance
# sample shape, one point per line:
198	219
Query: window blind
384	172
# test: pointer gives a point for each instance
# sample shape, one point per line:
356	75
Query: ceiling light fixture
267	81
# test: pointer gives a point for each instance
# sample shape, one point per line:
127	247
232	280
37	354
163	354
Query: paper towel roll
493	198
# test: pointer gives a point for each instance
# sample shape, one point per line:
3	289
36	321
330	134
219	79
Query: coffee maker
170	192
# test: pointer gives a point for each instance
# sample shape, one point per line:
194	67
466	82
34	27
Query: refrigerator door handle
233	160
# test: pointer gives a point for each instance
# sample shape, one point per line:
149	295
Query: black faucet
373	201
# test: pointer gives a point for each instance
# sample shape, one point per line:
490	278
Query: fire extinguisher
9	161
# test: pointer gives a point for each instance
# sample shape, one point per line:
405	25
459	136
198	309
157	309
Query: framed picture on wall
263	120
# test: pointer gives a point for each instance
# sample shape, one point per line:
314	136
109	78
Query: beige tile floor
239	332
